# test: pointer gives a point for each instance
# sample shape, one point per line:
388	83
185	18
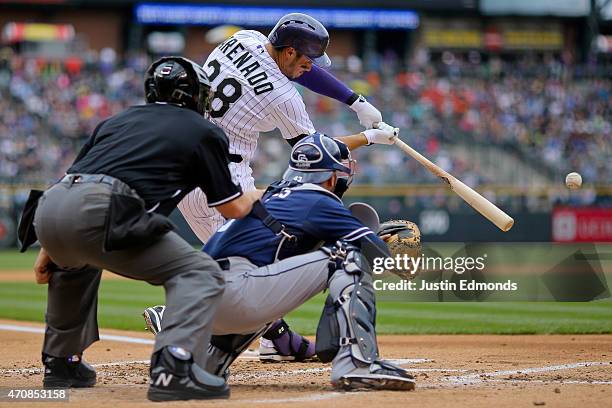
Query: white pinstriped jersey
251	95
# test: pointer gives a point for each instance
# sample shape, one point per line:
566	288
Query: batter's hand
366	112
43	267
383	134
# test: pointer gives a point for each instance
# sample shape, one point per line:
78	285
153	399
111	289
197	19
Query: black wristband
351	100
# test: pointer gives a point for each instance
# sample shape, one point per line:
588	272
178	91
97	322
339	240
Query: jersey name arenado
252	95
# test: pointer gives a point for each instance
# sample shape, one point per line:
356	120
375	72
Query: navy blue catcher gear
315	158
180	81
303	33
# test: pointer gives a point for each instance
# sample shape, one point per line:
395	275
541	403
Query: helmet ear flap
151	94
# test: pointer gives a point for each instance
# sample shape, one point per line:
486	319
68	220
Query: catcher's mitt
405	239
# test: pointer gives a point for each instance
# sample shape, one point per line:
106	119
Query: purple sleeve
322	82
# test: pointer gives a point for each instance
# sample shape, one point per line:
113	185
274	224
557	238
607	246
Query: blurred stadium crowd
551	117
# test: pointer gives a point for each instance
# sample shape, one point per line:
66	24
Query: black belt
117	185
224	264
88	178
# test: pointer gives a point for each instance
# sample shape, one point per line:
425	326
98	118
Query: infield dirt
458	370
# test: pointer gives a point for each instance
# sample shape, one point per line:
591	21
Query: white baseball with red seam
573	180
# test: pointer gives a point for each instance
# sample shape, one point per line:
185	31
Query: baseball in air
573	180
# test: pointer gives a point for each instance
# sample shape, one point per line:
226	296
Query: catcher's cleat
380	375
153	318
66	372
279	343
269	354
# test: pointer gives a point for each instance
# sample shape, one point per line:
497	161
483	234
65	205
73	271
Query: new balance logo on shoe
163	379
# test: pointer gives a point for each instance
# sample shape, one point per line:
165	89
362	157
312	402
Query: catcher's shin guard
349	314
346	331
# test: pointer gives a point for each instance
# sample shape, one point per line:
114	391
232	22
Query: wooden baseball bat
502	220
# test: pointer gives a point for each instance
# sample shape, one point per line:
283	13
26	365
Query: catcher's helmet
315	158
180	81
303	33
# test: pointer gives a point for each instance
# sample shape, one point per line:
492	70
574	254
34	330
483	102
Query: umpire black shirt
162	151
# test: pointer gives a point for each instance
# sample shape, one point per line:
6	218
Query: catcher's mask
179	81
316	158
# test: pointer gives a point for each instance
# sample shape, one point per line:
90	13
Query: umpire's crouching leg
69	223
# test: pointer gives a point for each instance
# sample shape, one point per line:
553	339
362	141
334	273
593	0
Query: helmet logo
302	161
166	70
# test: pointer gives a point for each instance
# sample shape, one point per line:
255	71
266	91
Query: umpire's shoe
380	375
66	372
175	377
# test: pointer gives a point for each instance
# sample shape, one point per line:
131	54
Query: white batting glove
384	134
366	112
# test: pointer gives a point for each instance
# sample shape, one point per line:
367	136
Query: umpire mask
179	81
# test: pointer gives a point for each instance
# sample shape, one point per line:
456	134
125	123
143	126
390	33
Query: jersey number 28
226	95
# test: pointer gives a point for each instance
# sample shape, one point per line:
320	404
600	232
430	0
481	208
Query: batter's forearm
353	141
324	83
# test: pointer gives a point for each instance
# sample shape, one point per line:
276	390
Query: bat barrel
502	220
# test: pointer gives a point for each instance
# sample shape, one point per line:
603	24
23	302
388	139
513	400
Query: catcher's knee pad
349	314
347	257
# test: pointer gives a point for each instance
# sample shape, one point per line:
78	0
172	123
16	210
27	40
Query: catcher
299	242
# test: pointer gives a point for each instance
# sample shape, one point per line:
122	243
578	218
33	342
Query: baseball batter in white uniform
252	76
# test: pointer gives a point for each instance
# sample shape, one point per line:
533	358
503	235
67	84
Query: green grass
13	260
121	302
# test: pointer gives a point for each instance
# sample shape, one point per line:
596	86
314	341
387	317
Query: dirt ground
459	371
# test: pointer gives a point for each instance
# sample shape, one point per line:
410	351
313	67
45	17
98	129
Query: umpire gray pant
69	223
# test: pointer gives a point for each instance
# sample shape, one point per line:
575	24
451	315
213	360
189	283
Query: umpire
110	212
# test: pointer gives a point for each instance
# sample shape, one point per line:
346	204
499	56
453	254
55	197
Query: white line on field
475	378
552	382
306	398
411	360
109	337
120	363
